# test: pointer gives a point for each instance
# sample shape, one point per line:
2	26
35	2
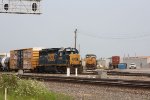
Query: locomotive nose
74	59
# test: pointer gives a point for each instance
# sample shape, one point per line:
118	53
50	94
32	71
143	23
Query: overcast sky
105	27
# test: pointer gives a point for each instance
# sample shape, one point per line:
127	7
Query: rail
92	81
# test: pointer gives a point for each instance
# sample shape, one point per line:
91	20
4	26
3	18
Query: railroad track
92	81
127	73
120	73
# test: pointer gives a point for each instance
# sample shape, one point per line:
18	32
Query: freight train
55	60
90	62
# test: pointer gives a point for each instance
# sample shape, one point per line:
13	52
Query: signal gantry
20	6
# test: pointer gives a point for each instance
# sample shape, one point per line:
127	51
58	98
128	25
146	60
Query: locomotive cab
73	56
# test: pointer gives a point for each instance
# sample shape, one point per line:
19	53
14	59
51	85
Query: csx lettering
74	59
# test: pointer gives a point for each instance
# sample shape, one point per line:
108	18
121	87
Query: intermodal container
115	60
122	66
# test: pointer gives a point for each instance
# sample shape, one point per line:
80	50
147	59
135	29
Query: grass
20	89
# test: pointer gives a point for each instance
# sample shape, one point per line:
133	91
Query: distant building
103	62
4	55
141	62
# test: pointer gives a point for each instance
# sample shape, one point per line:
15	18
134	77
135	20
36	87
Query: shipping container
115	61
122	66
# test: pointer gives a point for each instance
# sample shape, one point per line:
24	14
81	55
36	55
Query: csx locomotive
58	59
90	61
54	60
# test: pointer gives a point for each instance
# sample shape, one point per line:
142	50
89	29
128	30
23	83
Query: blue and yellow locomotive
58	59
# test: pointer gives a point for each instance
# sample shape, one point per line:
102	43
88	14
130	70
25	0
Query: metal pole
5	93
75	36
68	71
79	49
76	71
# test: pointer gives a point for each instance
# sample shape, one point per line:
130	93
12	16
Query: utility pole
79	48
75	32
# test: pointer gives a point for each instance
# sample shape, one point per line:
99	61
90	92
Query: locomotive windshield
93	56
71	51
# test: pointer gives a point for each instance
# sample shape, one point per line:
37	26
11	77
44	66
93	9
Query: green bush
8	81
21	89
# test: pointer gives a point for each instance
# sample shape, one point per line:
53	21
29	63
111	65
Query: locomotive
90	62
51	60
58	59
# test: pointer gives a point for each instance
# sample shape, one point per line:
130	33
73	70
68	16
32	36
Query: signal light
6	7
34	6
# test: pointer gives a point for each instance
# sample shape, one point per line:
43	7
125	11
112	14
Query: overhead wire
118	36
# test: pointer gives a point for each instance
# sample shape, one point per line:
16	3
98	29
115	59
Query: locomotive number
75	59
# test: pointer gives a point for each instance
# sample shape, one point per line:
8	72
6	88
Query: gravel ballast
92	92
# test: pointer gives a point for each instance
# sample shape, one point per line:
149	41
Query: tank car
4	62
